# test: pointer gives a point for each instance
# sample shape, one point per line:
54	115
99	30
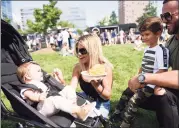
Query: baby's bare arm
35	96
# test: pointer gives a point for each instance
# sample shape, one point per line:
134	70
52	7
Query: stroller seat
11	88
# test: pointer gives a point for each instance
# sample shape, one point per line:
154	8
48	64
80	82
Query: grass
126	63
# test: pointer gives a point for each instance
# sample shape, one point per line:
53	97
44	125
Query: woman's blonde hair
92	43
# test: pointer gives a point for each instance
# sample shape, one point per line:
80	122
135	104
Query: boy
65	100
155	60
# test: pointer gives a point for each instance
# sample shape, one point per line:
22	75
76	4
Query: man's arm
166	79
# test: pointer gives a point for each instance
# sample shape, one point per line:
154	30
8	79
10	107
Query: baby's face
35	72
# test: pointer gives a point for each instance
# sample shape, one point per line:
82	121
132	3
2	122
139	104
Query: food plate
88	78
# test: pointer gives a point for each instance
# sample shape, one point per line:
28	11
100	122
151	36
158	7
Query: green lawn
126	63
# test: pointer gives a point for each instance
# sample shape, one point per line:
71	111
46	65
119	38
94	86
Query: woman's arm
75	76
104	89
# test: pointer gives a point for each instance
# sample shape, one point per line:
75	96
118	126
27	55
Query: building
74	15
26	13
6	10
129	11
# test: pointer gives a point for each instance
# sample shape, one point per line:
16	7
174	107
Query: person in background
59	39
138	43
121	37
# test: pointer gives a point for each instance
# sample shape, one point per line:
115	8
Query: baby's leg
54	104
69	93
68	106
47	107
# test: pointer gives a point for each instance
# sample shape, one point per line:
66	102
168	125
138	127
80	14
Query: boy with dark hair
155	60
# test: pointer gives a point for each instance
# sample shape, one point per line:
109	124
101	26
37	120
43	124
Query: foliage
45	18
104	21
149	11
80	32
64	24
113	19
7	20
126	63
87	29
25	32
21	32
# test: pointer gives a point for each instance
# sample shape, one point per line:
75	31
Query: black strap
165	60
8	69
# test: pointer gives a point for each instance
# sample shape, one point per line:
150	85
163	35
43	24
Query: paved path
45	50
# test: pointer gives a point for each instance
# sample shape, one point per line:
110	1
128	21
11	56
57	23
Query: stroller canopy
13	47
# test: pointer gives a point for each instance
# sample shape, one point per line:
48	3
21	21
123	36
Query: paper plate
87	77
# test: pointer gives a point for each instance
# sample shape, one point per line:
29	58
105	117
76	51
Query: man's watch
141	78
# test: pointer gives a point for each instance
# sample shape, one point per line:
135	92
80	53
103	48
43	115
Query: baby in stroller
49	100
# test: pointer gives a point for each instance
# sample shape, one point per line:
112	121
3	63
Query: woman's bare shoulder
77	67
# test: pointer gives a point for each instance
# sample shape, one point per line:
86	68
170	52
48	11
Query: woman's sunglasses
167	16
82	51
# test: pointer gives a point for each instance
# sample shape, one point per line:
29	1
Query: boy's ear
158	34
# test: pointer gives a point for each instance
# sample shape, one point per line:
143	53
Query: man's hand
134	84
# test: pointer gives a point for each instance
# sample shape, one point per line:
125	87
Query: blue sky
95	10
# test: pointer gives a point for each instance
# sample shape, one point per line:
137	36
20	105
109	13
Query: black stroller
13	53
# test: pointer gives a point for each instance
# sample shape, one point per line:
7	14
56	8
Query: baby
65	100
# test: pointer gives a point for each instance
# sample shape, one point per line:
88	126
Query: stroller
13	53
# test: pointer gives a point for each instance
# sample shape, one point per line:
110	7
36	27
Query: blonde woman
89	52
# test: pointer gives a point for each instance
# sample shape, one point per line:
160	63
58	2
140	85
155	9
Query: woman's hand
57	73
104	87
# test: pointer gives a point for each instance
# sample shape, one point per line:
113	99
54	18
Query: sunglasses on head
167	16
82	51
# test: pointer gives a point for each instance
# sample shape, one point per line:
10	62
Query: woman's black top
90	90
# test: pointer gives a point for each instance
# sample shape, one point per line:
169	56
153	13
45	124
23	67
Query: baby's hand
42	96
57	73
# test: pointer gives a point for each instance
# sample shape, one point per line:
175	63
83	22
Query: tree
87	29
113	18
80	32
66	24
45	18
104	21
7	20
149	11
25	32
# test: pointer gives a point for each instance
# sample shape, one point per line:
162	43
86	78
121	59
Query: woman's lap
103	107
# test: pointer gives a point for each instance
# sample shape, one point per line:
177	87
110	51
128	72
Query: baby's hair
23	69
153	24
